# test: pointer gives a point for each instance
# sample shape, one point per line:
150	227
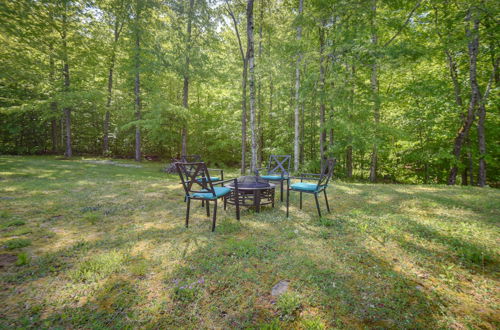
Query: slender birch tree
296	141
251	68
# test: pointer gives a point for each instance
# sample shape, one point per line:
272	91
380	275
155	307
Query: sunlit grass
95	245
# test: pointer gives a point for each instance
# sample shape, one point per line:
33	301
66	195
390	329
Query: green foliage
22	259
185	293
288	305
14	223
17	243
98	267
92	217
419	115
312	323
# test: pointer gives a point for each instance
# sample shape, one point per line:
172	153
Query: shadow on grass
469	254
357	290
227	283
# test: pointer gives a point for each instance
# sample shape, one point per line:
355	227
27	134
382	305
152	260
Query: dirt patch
7	260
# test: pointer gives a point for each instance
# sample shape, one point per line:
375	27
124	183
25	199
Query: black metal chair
197	159
278	170
312	188
194	177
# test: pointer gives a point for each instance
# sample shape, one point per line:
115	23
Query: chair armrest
218	170
223	181
306	176
257	171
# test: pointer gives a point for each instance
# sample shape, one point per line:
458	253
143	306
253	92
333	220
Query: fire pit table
252	191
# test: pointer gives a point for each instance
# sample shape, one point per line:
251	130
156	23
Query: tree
116	11
185	90
296	142
244	59
322	106
251	67
137	81
375	92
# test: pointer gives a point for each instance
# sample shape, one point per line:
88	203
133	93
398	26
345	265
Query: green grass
101	246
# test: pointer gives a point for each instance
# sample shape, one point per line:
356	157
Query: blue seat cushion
304	186
272	177
212	178
219	192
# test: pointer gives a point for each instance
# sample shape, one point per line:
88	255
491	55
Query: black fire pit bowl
246	182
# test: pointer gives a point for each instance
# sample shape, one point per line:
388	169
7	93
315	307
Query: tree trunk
260	142
481	137
351	71
302	135
137	83
296	142
482	118
470	167
53	105
464	177
107	117
348	157
468	119
251	65
322	139
375	93
244	116
67	110
244	58
185	90
108	106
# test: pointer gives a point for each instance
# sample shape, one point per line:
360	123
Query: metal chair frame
189	174
322	180
276	166
197	159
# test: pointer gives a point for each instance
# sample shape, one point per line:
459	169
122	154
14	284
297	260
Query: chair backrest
195	178
188	159
279	164
327	172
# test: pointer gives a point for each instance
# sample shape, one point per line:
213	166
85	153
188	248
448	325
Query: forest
397	91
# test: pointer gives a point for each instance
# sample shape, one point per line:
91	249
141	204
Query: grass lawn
97	245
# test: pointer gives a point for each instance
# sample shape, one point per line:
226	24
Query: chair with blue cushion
197	159
197	185
278	169
312	188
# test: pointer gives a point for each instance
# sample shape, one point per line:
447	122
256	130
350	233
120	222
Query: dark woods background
397	91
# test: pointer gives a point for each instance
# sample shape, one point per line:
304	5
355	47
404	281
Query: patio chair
278	170
196	159
204	189
312	188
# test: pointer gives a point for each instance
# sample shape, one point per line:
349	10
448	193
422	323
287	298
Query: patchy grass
109	249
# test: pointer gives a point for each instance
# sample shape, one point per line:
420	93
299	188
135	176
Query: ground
97	245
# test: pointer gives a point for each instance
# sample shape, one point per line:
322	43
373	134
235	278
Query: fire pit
253	191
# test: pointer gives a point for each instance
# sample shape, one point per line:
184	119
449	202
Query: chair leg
225	203
272	198
326	199
202	203
187	211
281	191
215	215
287	200
317	204
207	205
237	200
300	201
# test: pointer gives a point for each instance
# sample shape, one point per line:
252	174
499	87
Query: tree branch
230	11
419	2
